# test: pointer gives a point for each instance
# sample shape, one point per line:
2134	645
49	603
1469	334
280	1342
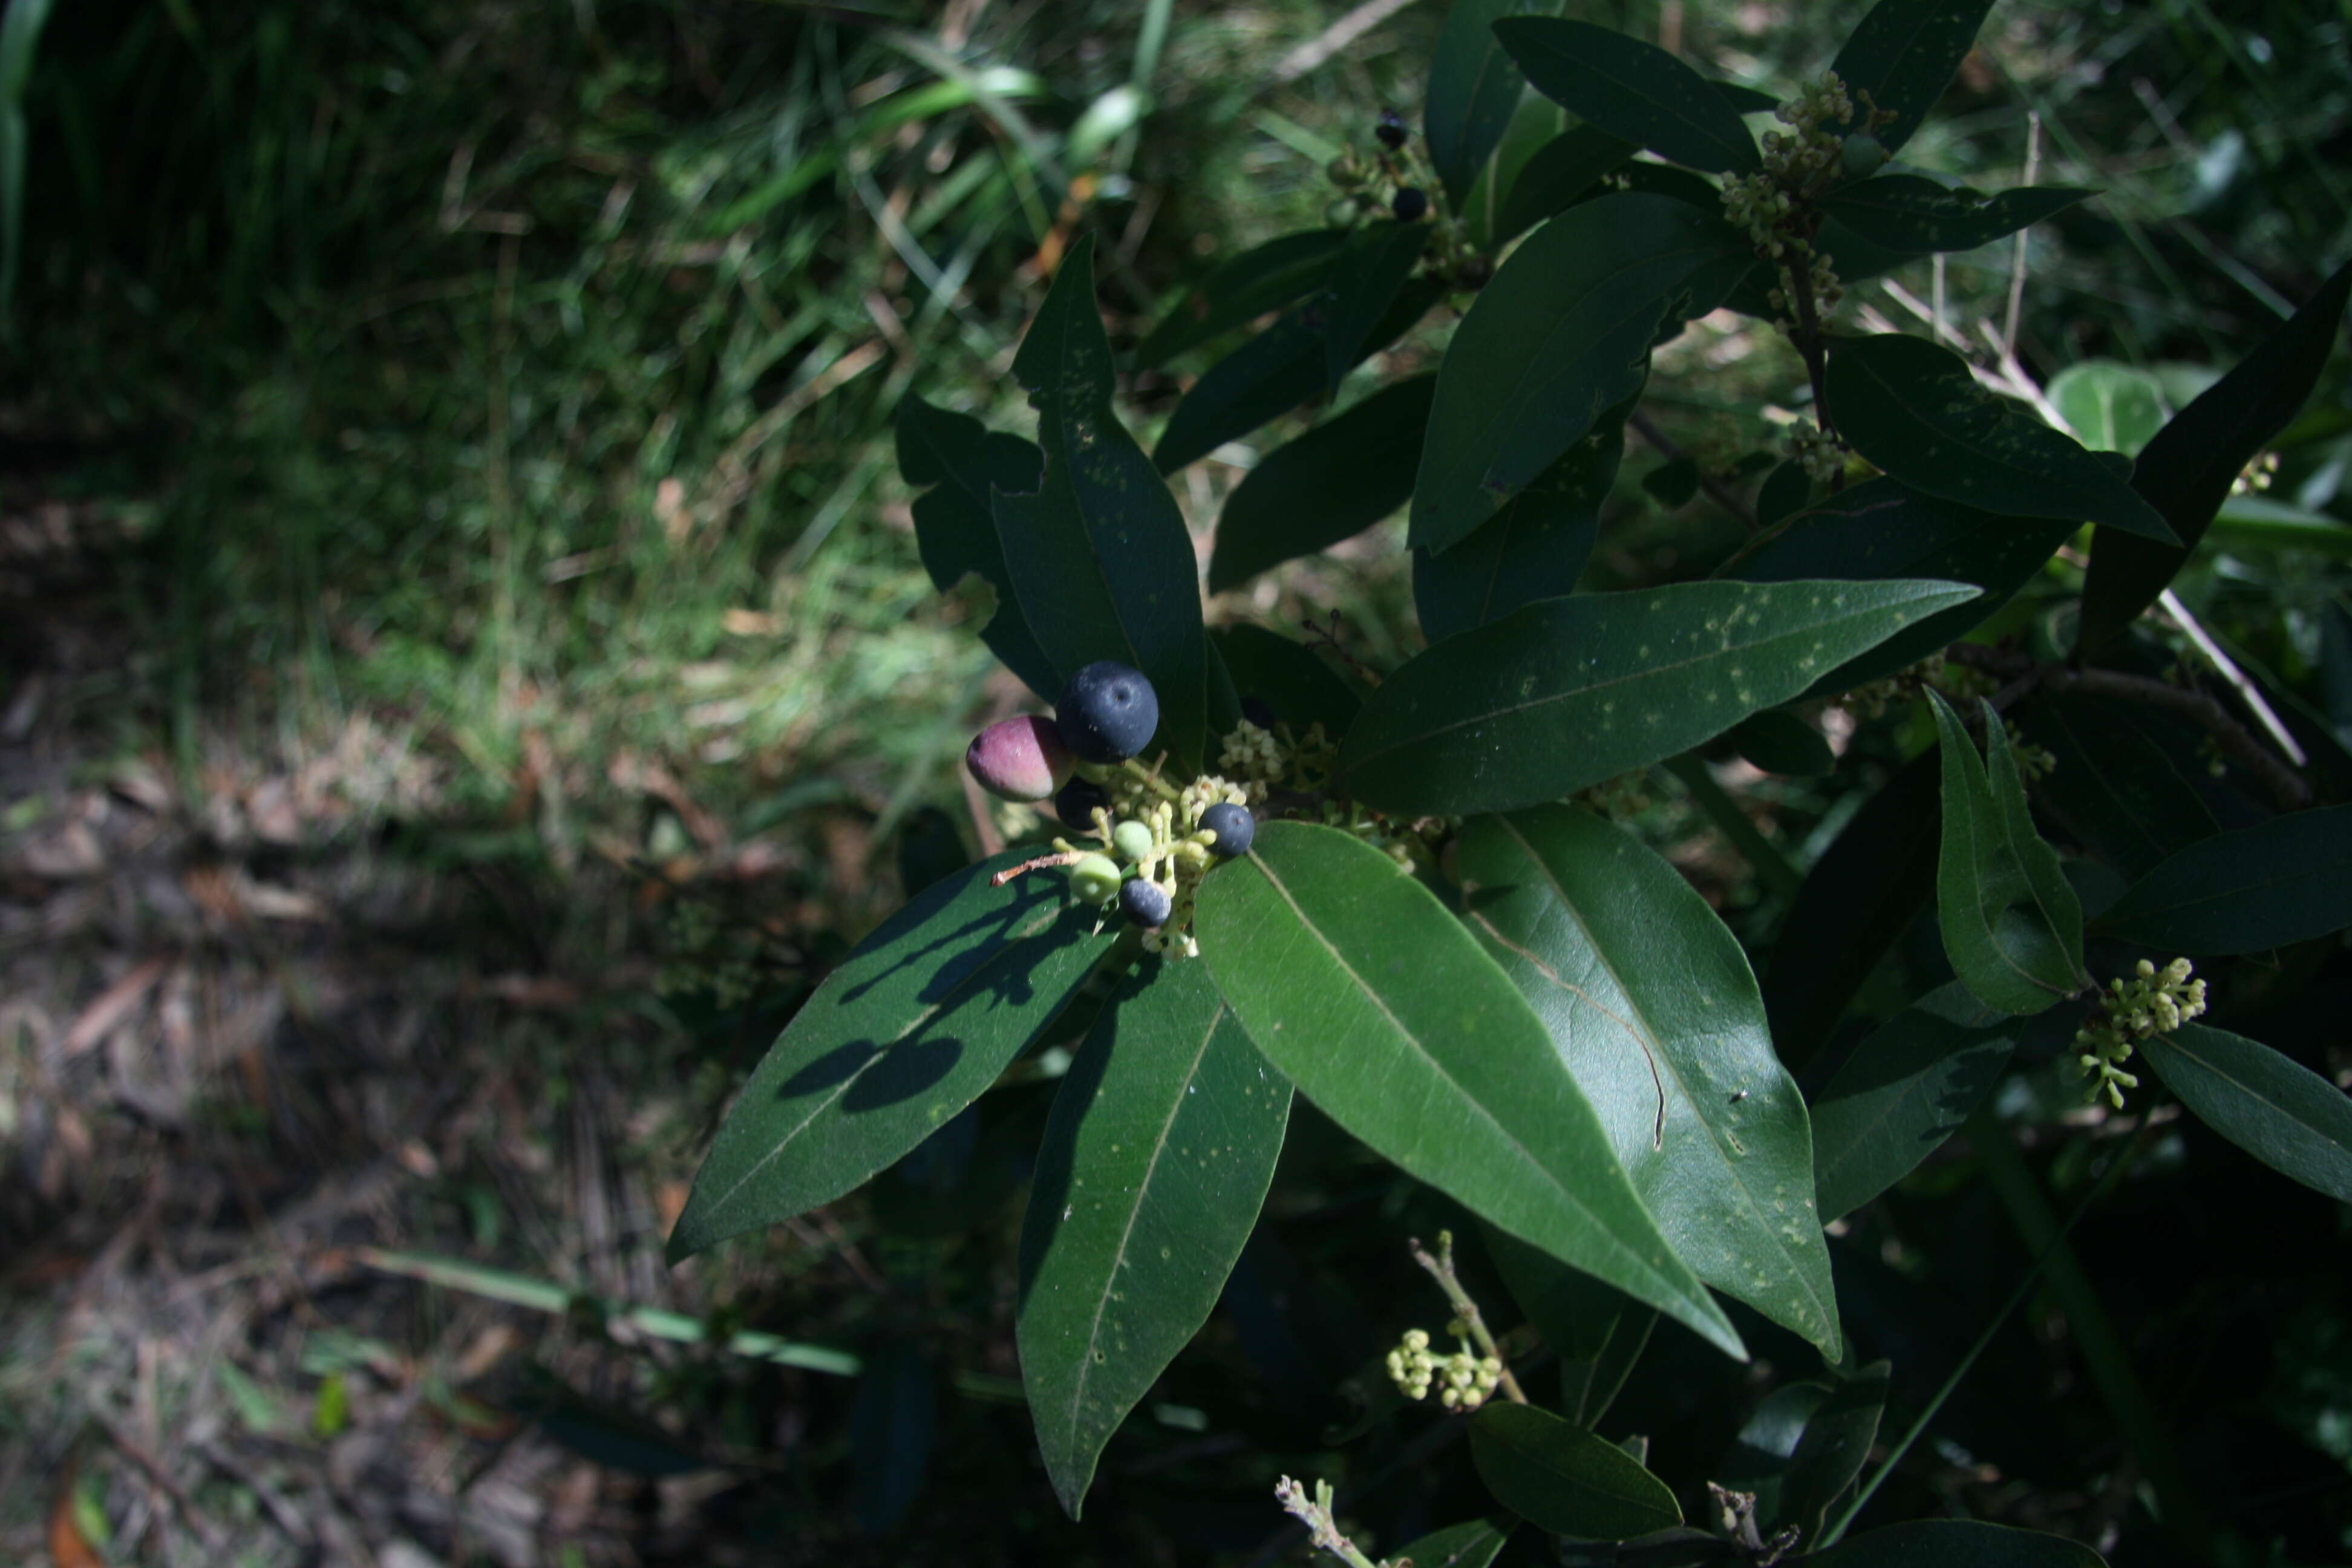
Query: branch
1723	495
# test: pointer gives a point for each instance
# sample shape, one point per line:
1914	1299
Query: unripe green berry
1094	879
1862	155
1132	840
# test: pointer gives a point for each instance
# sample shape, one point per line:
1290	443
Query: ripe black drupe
1108	712
1234	826
1145	903
1412	204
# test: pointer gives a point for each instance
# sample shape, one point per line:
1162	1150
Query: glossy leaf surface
1957	1544
1473	89
2186	471
2284	881
957	461
1329	484
1564	693
1365	992
1154	1163
1652	1007
1903	1093
1561	335
1565	1479
1631	88
1473	1544
1101	562
1535	548
2012	926
1905	53
1914	408
1289	677
1597	1331
2278	1110
914	1022
1913	213
1265	277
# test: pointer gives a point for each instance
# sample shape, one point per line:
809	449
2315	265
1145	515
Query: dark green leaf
1559	337
1634	90
1882	529
916	1021
1778	741
599	1430
2115	784
1745	100
1786	490
1365	282
1287	677
1914	408
1904	1091
961	461
2012	926
1904	54
1564	693
2188	468
1330	484
1472	1545
1360	986
1474	89
1597	1331
1680	184
930	848
1672	483
1243	289
1562	173
1955	1542
2110	407
1271	374
890	1434
2281	1112
1564	1478
1650	1005
1154	1163
1857	899
1912	213
2288	880
1804	1445
1535	548
1100	559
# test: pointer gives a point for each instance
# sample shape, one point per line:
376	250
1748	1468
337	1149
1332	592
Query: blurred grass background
468	669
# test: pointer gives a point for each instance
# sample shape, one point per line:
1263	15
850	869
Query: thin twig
2017	256
1723	495
133	1450
1440	1268
2226	669
1069	858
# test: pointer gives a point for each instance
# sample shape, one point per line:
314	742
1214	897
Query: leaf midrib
1743	157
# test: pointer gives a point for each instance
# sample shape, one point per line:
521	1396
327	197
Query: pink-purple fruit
1019	758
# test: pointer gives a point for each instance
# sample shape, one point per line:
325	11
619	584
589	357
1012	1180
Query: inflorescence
2152	1002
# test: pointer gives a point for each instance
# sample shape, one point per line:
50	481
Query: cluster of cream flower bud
2152	1002
1466	1380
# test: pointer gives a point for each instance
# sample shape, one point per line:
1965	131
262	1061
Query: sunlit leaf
2110	407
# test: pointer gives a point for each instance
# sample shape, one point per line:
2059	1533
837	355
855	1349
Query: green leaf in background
916	1021
2012	927
1913	213
1650	1003
20	35
1779	742
1366	280
2187	469
1914	408
1330	484
1154	1166
1560	336
1903	1093
1535	548
1289	677
2115	786
1473	89
1100	559
2278	1110
1242	290
1597	1331
1857	899
1904	54
1955	1542
1631	88
890	1429
1361	987
1882	529
2110	406
1562	171
956	461
1473	1544
1805	1444
1271	374
1565	1479
2280	881
1564	693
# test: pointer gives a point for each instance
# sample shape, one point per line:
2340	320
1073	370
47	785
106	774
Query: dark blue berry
1108	712
1410	205
1233	824
1076	804
1391	129
1145	903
